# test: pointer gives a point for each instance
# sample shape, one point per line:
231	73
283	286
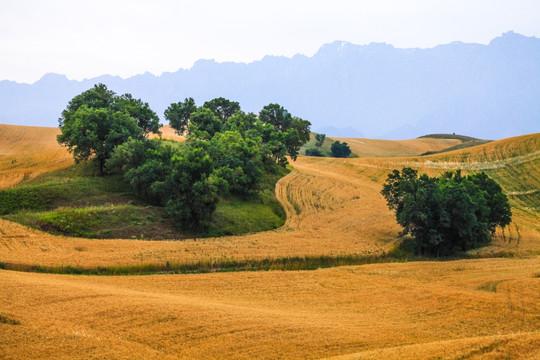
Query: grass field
462	309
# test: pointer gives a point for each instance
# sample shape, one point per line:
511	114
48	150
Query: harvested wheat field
28	151
461	309
390	148
478	308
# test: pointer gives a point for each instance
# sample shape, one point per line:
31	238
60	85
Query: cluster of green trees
226	151
316	151
338	149
449	214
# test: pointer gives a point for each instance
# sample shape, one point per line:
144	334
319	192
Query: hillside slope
28	151
395	148
333	207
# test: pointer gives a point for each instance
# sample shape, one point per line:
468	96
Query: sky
85	39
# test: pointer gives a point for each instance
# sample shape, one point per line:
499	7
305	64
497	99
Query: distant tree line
337	149
449	214
226	149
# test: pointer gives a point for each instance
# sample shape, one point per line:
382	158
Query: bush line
230	265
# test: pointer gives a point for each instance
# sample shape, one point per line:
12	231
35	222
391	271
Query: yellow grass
389	148
168	133
28	151
386	311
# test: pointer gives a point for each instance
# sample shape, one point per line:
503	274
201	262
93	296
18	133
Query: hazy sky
83	39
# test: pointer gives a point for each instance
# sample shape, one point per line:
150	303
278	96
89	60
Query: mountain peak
52	78
511	37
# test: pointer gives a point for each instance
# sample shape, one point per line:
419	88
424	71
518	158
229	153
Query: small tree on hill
340	149
319	140
178	114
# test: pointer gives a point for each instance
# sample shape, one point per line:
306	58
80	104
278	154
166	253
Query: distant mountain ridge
486	91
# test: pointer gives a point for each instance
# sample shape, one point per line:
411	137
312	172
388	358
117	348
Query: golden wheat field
389	148
467	309
27	151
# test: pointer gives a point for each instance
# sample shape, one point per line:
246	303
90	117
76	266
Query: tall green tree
204	124
283	134
97	120
194	188
179	114
319	140
238	160
222	108
145	117
277	116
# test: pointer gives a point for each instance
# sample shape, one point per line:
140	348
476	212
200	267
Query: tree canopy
97	120
449	214
222	108
178	114
340	149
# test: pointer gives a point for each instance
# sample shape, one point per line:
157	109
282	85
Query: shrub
340	149
449	214
313	152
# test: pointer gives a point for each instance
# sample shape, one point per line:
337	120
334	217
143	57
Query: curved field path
326	214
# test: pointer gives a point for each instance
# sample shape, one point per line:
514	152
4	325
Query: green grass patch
449	136
76	202
73	187
295	263
6	320
466	142
103	222
324	149
490	287
257	212
237	216
463	145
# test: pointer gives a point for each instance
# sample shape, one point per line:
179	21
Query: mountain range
487	91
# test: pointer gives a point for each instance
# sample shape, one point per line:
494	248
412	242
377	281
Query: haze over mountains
487	91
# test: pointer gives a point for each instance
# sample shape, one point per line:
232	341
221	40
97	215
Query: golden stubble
28	151
488	308
391	148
